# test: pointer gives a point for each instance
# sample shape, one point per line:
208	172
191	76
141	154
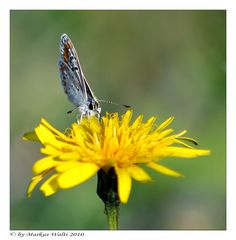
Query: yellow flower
79	154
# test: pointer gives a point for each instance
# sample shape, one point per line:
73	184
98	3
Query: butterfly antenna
114	103
71	111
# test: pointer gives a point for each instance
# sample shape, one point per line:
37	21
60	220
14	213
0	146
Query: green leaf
32	136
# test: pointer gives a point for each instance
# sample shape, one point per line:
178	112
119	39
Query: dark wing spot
74	68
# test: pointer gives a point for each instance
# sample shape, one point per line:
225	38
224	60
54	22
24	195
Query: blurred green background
164	63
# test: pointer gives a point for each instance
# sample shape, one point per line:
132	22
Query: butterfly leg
79	117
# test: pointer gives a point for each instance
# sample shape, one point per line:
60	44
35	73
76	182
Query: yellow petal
77	175
69	156
165	124
55	147
183	144
137	122
50	186
165	133
54	130
43	164
44	134
147	126
184	152
34	181
50	150
32	136
124	184
50	136
189	140
66	165
180	134
164	170
126	119
138	173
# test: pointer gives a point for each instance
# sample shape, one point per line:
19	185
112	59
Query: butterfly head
90	109
94	108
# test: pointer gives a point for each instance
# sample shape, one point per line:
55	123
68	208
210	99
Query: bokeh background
164	63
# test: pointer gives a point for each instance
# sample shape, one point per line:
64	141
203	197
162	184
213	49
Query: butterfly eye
91	106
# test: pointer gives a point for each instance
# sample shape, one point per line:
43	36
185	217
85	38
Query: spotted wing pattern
74	82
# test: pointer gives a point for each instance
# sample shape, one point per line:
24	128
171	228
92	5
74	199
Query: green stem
112	212
107	191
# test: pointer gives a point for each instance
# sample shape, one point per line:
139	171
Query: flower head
112	142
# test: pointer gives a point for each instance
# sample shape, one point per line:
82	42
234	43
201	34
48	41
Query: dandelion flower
112	142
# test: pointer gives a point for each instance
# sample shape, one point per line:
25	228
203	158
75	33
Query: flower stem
107	191
112	213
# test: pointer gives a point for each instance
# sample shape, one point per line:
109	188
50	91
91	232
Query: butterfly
74	82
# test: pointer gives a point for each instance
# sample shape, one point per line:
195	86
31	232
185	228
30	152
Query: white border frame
8	5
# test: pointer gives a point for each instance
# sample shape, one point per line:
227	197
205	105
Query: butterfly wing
73	80
70	58
71	85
